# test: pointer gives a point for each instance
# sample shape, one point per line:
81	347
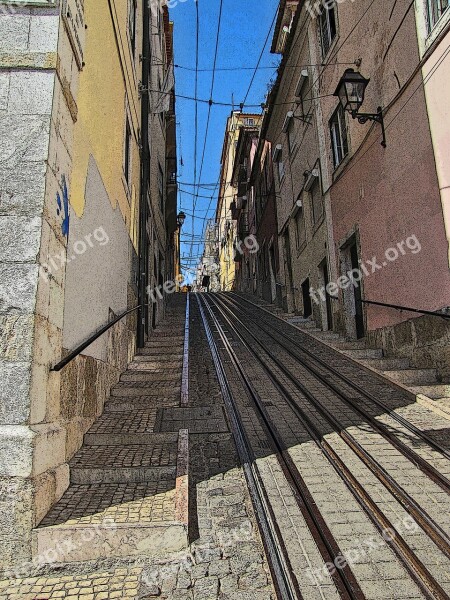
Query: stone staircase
421	384
128	482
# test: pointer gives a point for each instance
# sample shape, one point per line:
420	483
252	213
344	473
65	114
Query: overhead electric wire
216	52
197	47
260	58
421	84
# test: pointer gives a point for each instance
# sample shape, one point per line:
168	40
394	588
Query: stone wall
86	383
424	340
31	441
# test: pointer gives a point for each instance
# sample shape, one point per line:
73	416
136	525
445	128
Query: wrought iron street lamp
181	218
350	91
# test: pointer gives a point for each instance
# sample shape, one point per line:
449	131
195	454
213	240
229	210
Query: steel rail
430	527
412	563
283	577
344	578
412	428
382	429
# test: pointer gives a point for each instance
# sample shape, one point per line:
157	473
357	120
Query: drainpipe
145	173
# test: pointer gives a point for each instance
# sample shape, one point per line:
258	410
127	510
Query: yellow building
227	196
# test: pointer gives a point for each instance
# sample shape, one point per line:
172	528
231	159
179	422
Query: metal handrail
93	338
408	309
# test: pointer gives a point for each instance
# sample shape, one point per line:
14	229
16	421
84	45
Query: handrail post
400	308
72	355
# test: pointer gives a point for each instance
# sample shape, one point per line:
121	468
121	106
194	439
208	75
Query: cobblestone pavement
225	558
119	583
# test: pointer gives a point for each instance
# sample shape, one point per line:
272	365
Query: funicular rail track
271	351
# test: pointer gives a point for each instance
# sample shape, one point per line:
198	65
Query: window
435	10
249	122
280	164
300	229
338	132
303	94
316	201
132	26
161	187
127	154
305	103
291	134
327	26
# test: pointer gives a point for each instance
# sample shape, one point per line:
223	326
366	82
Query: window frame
338	125
316	192
433	21
128	153
291	139
300	218
132	27
281	170
161	179
325	16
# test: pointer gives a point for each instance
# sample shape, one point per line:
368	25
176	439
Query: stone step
116	474
161	351
327	336
167	337
150	367
388	364
413	376
130	404
134	463
138	420
121	390
161	358
365	353
155	365
302	322
132	519
436	392
163	375
128	439
352	345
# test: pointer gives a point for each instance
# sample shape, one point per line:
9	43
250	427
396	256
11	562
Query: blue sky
243	31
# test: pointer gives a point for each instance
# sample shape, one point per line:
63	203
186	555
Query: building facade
244	209
72	223
225	215
348	206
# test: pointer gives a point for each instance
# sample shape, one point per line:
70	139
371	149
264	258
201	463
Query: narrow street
224	300
254	462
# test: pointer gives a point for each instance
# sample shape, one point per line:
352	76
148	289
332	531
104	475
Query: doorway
328	308
288	271
353	308
272	272
307	304
359	315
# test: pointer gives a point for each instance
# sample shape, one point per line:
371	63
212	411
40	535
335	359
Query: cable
262	105
216	52
197	35
273	68
387	125
260	59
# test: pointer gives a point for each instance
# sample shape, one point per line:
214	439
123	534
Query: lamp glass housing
181	219
351	90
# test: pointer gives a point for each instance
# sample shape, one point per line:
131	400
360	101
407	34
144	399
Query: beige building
227	233
297	143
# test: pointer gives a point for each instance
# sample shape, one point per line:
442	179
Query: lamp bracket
377	117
